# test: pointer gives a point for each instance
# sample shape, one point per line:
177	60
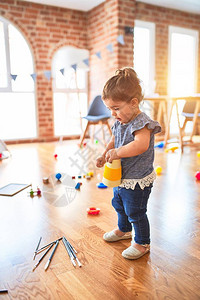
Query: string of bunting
48	74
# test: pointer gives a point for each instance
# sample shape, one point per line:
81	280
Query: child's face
123	111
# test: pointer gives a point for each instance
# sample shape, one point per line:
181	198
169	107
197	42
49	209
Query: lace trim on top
146	181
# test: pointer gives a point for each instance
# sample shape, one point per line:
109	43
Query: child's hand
111	155
100	161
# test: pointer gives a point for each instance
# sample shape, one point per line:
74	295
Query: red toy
55	155
93	211
197	175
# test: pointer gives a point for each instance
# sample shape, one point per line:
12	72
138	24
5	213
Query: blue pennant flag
109	47
120	39
13	76
47	74
74	67
62	71
86	61
34	75
98	54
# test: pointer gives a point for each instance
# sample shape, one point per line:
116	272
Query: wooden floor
170	271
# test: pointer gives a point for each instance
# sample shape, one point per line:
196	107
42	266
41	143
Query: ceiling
192	6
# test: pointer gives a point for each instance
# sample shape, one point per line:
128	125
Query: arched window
17	85
70	88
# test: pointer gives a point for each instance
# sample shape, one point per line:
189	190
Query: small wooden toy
101	185
58	176
38	192
197	175
1	155
73	177
159	145
88	177
158	170
79	176
91	174
198	153
93	211
55	155
78	185
45	180
31	193
172	149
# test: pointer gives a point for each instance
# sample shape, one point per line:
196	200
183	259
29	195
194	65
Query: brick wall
46	28
105	23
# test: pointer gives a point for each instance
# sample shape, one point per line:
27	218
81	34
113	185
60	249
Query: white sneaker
112	237
133	253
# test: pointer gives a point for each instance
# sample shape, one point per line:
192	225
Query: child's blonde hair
123	86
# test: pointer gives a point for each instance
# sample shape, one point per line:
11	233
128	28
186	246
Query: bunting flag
34	75
13	76
98	54
120	39
86	61
74	67
62	71
109	47
47	74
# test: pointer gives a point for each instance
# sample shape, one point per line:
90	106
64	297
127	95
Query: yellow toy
171	149
112	173
198	153
158	170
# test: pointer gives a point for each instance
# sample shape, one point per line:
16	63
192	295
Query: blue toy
101	185
77	187
159	145
58	176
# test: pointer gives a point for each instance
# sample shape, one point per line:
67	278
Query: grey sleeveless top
140	166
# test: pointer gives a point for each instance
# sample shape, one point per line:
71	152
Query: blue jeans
131	208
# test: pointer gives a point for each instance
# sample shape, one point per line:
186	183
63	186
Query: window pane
20	60
182	79
141	54
3	65
17	116
67	107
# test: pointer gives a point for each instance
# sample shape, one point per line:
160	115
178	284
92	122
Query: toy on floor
159	145
45	180
101	185
172	149
198	153
197	175
32	192
55	155
58	176
78	185
158	170
93	211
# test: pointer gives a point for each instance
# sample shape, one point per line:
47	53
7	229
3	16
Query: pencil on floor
69	252
41	258
35	253
51	256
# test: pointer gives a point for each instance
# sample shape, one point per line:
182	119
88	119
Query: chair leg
84	134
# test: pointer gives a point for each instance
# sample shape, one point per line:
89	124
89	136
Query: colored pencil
73	253
41	258
51	256
35	253
69	253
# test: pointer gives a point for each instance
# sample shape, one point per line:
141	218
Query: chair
188	113
98	113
